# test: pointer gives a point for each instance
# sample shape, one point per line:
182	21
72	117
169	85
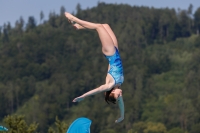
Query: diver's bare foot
69	16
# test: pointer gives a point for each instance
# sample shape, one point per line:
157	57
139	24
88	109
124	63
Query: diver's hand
78	99
119	119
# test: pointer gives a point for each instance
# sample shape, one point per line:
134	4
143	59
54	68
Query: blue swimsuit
116	68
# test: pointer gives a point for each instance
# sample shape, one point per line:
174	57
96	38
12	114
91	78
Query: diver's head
112	95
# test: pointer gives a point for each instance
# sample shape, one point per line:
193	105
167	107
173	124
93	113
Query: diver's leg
111	33
106	40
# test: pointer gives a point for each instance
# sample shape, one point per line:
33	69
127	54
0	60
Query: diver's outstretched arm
121	108
102	88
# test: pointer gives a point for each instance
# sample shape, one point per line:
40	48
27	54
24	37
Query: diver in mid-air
115	77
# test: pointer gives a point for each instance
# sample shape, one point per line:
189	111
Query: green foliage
176	130
148	127
108	131
138	127
17	124
61	127
155	128
43	67
195	128
197	19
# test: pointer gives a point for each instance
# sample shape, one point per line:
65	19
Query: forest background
44	66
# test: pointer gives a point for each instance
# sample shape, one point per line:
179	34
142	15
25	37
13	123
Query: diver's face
117	93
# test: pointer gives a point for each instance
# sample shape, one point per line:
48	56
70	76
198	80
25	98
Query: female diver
114	77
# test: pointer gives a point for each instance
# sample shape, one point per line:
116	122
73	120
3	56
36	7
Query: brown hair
109	97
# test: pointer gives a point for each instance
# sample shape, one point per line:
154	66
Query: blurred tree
31	23
108	131
52	19
185	23
0	31
5	37
62	10
78	8
139	127
41	16
19	25
197	20
176	130
195	128
17	124
158	61
61	127
155	128
190	9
